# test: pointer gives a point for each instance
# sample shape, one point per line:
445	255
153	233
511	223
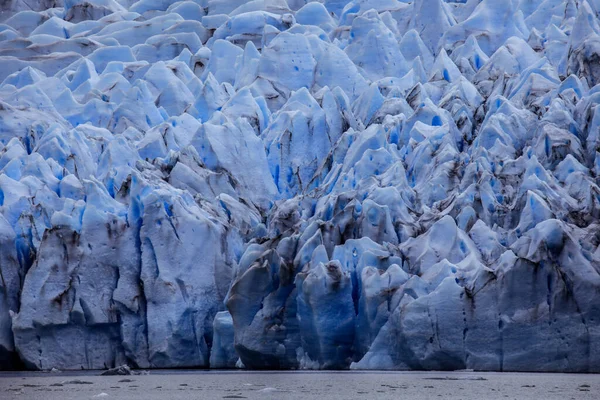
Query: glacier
293	184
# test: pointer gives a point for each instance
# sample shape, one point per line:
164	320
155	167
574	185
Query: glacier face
368	184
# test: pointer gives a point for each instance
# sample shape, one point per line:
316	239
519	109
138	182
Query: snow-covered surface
372	184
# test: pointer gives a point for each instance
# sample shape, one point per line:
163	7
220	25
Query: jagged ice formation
373	184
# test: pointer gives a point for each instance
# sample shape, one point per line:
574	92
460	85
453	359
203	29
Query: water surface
183	384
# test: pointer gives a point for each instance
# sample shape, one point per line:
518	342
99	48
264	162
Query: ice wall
372	184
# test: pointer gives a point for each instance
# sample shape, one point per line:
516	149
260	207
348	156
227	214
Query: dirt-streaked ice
367	184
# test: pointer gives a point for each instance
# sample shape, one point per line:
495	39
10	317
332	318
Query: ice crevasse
367	184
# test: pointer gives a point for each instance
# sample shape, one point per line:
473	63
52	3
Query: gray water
175	385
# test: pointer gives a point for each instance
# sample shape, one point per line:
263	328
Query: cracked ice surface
373	184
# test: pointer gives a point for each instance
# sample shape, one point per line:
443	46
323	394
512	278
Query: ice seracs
368	184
